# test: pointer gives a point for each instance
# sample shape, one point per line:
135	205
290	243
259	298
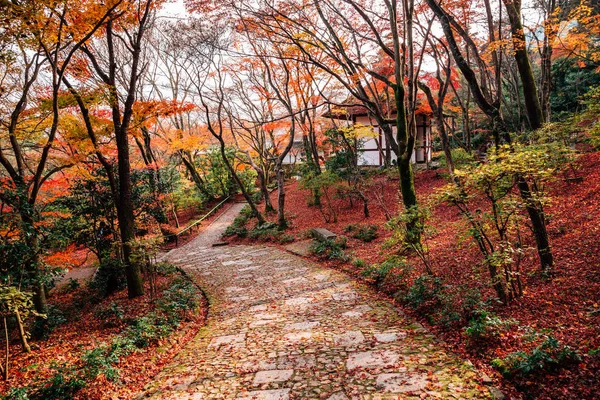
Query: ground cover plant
122	338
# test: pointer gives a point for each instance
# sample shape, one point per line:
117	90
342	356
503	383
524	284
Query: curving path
283	328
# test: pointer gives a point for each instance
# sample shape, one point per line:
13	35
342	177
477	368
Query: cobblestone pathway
283	328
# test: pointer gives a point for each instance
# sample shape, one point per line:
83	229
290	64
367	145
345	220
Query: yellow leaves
358	131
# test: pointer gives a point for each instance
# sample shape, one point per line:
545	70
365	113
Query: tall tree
43	34
491	107
116	58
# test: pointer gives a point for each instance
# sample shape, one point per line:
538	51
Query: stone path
283	328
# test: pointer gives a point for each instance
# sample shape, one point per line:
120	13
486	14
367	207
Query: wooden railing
195	223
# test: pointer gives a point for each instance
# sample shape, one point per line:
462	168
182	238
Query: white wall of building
374	148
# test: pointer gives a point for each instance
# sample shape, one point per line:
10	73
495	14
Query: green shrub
165	268
42	328
177	301
366	233
486	326
148	330
112	315
549	355
266	232
63	385
238	226
460	157
341	241
122	346
425	291
359	263
110	277
331	249
378	272
72	285
286	238
100	360
16	394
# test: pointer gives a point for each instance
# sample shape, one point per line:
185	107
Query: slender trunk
7	349
262	182
281	222
530	93
478	235
125	216
158	207
538	224
312	161
445	144
404	136
33	264
238	181
22	333
439	123
546	79
198	181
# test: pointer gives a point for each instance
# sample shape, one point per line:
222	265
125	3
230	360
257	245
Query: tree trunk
530	93
281	222
538	224
404	138
198	181
22	333
262	182
445	144
4	368
125	216
251	204
312	161
439	123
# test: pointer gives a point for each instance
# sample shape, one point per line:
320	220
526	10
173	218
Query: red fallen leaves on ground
84	331
566	305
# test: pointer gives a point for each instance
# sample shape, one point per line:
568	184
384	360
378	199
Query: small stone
297	301
302	326
389	337
485	379
228	340
295	281
401	383
276	375
372	359
497	393
352	314
298	336
321	277
344	296
257	308
279	394
254	267
350	338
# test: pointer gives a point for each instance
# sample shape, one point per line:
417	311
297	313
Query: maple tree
132	20
41	34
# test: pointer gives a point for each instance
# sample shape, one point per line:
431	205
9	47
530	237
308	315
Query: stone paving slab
287	329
